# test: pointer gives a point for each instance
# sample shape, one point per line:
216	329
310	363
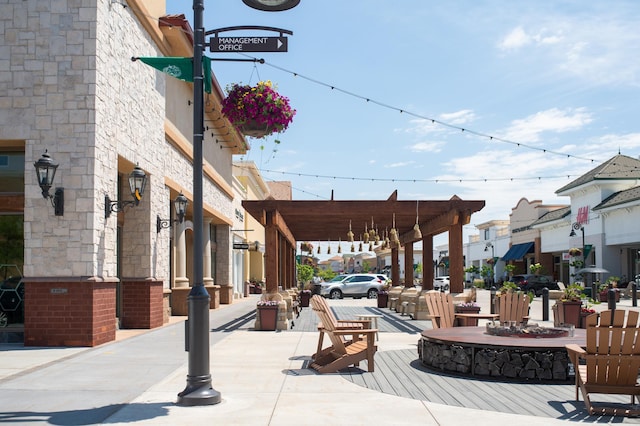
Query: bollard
611	298
492	299
545	304
634	295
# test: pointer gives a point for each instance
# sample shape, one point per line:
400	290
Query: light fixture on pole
493	256
180	205
271	5
575	227
46	172
199	390
137	184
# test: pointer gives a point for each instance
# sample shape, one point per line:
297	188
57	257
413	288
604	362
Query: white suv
354	285
441	283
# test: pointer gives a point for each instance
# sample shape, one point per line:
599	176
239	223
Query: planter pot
304	299
604	296
383	300
255	130
583	319
268	317
566	312
468	309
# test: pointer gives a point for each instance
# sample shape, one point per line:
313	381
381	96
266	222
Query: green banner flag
587	251
180	68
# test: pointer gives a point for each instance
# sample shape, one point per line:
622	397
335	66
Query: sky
486	100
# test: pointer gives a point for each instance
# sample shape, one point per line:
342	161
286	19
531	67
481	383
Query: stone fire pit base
474	353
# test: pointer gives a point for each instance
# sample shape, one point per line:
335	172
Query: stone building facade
68	86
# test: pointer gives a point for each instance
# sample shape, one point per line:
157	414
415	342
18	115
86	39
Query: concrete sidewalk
260	375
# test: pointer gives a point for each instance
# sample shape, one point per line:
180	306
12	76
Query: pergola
289	221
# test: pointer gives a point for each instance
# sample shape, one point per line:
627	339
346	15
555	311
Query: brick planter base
141	303
63	312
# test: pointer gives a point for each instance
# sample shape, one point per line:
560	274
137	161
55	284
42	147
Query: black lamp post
493	256
46	172
578	226
199	390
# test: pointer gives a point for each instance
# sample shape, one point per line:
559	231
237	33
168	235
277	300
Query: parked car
354	285
535	283
441	283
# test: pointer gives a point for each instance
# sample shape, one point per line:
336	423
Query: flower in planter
260	106
587	310
468	305
269	303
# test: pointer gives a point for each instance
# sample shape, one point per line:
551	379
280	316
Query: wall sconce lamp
137	183
46	171
180	204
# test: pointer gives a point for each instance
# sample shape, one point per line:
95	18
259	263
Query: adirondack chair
441	309
319	304
611	362
514	307
343	352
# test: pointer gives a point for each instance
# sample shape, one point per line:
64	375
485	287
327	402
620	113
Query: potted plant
585	311
603	289
467	308
567	309
574	251
268	314
257	111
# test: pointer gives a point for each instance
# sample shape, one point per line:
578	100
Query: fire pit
525	354
529	331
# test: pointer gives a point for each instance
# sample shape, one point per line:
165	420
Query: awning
517	252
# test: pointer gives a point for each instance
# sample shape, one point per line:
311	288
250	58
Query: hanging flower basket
575	252
257	111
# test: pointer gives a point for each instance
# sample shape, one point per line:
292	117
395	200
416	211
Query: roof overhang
330	220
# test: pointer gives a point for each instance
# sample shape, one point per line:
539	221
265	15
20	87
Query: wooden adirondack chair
343	352
441	309
611	362
319	303
514	307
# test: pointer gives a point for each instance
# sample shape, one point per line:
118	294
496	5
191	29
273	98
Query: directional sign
241	246
248	44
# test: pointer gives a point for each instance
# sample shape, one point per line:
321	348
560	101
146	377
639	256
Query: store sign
583	215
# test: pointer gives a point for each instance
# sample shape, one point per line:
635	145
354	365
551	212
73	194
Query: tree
305	273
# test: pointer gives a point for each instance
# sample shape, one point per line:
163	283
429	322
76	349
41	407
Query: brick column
141	303
69	312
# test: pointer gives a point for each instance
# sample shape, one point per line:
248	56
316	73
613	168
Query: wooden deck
399	372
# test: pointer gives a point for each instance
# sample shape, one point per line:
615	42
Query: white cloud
459	117
516	39
426	147
530	128
596	49
398	164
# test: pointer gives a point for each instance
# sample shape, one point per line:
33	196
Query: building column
427	262
408	265
181	289
212	289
